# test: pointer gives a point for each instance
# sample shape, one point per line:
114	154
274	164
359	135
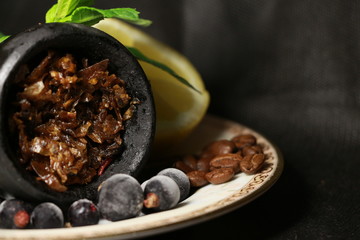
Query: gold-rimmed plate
206	203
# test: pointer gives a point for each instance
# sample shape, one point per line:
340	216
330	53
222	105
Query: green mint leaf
127	14
65	8
142	57
90	16
51	14
85	3
60	10
3	37
84	15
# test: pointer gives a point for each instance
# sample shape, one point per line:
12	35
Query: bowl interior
28	48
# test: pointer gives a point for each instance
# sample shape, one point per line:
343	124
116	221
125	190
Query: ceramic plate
206	203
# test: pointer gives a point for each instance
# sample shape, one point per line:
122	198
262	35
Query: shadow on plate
271	214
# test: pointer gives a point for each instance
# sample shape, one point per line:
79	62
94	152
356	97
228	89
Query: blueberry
83	212
47	215
14	214
180	178
120	197
161	193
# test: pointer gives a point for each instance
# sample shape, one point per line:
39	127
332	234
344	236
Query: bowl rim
23	47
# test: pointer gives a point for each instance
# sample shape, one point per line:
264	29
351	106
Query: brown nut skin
230	160
251	150
203	164
218	147
220	175
197	178
244	140
182	166
191	161
251	164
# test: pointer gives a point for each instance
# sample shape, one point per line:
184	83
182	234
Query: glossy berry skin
120	197
161	193
83	212
180	178
15	214
47	215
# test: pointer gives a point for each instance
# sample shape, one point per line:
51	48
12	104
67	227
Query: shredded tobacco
70	119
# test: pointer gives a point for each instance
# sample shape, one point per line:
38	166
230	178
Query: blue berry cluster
120	197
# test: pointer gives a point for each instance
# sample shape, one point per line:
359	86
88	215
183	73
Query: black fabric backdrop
288	69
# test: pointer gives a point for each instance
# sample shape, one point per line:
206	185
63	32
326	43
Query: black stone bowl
96	46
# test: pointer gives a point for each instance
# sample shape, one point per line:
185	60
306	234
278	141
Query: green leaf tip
3	37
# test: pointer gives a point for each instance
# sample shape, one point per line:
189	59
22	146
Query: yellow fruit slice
179	109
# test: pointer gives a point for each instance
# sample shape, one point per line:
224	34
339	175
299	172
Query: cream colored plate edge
206	203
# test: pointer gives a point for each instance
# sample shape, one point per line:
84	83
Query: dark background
286	68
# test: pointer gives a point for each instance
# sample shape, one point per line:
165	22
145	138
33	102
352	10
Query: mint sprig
80	11
90	16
